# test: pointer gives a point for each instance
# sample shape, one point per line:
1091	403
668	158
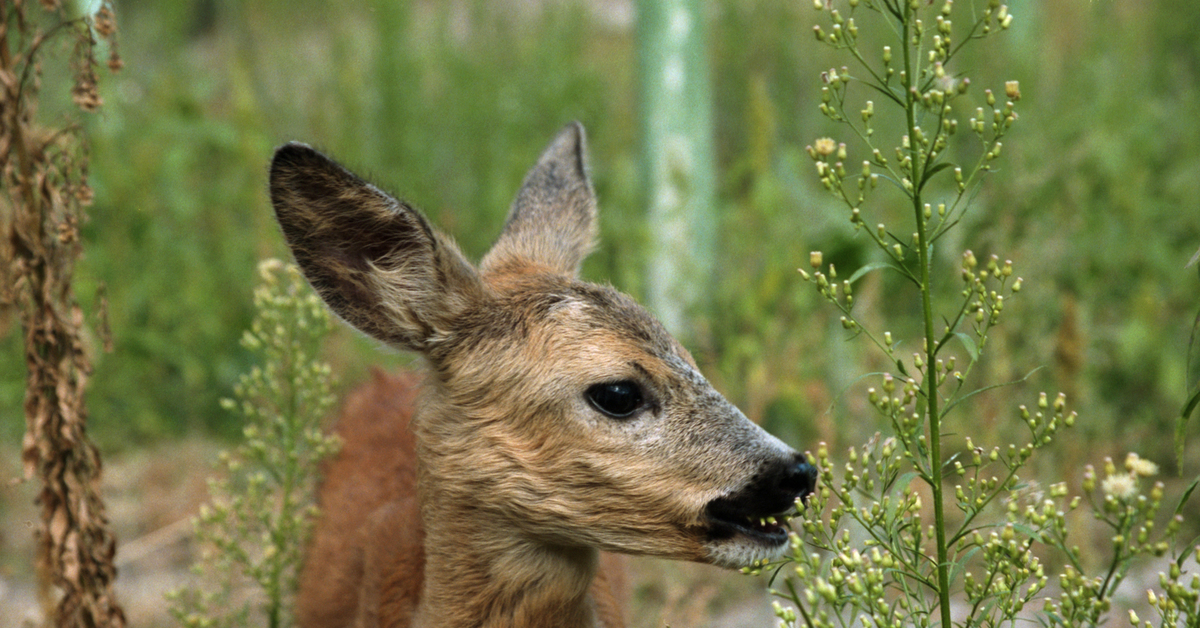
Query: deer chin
744	550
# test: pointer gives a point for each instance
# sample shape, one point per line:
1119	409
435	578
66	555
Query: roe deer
557	420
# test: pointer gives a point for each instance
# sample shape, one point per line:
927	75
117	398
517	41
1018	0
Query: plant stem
923	261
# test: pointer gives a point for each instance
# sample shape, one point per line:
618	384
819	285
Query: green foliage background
447	104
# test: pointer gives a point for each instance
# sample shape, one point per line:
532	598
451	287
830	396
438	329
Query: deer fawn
558	419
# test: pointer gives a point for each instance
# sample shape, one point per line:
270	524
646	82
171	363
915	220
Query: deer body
558	419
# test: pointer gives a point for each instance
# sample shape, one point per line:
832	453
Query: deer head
558	414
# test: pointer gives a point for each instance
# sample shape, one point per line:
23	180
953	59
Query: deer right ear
374	260
553	220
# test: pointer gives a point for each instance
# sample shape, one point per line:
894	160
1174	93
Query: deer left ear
374	259
553	220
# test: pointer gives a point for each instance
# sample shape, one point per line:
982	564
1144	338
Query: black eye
616	399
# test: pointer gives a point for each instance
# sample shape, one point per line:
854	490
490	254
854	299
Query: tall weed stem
870	551
924	262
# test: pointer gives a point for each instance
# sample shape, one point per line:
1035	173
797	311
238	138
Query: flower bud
815	259
1012	89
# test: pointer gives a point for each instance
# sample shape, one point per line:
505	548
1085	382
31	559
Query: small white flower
1122	486
1137	465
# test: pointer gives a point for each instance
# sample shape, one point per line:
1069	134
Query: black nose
799	479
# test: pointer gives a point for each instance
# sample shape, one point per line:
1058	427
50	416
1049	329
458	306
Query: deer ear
374	260
553	220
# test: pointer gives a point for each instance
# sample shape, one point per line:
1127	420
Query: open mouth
762	509
728	521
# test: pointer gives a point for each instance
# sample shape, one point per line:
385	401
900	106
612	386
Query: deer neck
477	573
480	570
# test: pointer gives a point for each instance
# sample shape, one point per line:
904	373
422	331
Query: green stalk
678	157
923	261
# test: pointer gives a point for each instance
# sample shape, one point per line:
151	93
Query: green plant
1193	386
259	517
939	521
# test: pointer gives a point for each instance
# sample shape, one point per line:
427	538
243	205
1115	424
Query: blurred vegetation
447	103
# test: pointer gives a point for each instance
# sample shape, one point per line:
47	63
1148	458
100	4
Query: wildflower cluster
893	578
900	531
1131	514
903	528
919	81
254	528
1179	600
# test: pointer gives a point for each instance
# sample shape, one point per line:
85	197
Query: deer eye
618	400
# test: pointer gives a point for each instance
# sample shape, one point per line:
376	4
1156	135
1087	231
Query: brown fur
558	419
369	490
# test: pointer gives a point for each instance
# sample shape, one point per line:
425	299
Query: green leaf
969	344
1193	357
904	480
870	267
1027	531
1192	384
1181	426
1186	496
936	169
950	406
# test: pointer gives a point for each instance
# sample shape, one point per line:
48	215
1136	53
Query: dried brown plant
43	193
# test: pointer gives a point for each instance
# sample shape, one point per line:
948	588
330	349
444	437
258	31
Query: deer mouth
762	510
727	520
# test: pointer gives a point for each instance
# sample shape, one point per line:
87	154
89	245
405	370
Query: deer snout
779	484
799	479
759	510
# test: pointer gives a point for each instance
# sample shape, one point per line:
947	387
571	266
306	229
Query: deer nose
799	479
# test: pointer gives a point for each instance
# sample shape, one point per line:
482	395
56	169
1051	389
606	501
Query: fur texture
526	473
